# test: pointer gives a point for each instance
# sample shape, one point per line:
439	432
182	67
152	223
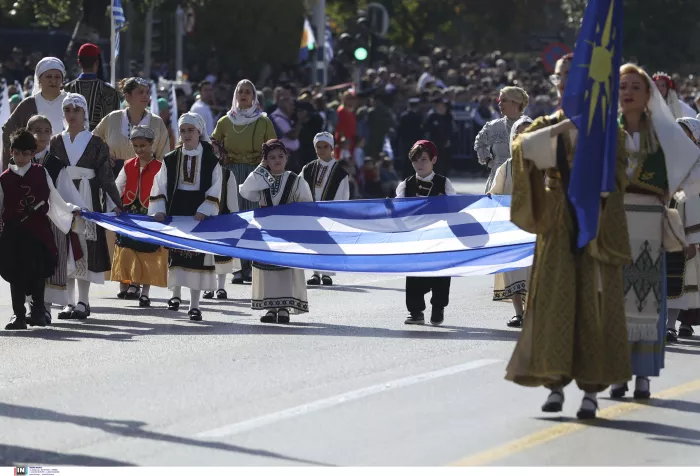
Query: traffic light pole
319	17
148	42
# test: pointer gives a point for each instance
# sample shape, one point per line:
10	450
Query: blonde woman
512	284
492	144
239	136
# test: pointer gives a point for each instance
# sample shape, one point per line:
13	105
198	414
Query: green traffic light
360	54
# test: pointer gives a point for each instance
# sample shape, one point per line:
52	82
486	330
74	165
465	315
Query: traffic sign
378	18
552	53
190	20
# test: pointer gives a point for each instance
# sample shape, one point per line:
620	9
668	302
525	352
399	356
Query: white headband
194	119
77	101
43	66
324	137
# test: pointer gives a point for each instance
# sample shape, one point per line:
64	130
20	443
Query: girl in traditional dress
188	185
115	128
667	87
275	288
492	142
686	308
86	158
239	135
660	158
512	284
56	291
135	262
46	99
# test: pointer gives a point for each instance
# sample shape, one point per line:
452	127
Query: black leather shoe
269	318
195	314
554	406
417	318
80	315
208	295
17	324
315	280
437	316
585	413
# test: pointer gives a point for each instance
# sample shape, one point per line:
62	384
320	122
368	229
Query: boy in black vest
328	182
425	183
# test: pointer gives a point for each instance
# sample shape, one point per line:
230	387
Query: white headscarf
77	101
514	129
43	66
680	152
241	117
693	125
197	121
324	137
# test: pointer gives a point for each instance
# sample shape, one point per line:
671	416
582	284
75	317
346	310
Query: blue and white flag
328	44
460	235
119	23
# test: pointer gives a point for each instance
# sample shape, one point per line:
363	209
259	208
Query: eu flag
590	101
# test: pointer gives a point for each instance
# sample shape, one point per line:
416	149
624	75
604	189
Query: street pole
319	20
112	56
179	34
148	42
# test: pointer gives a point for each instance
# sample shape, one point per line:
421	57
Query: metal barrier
463	138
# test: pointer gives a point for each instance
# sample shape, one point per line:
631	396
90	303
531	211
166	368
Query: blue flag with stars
590	101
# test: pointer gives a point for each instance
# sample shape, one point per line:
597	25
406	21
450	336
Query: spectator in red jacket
347	123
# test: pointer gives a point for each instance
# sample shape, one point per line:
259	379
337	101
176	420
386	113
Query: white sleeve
210	206
343	192
254	184
482	145
401	189
449	188
67	190
303	191
499	181
231	193
159	192
60	212
121	185
540	148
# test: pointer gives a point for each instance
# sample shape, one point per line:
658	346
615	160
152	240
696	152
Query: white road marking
322	404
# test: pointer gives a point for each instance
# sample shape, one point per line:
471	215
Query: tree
658	34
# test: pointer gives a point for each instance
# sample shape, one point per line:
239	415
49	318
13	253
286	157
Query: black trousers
418	287
19	294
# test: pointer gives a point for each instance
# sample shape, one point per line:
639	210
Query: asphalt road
346	384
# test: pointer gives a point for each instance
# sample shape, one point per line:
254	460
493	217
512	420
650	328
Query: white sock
221	279
556	395
642	384
84	291
671	318
177	292
587	404
70	289
194	298
123	287
145	289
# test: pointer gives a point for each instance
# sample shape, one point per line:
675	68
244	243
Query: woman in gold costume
575	330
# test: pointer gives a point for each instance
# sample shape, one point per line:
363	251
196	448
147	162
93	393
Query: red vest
139	187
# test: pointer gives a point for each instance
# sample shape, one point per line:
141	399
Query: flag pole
113	56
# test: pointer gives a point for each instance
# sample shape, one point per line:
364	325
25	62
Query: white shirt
53	110
60	212
449	188
324	172
204	110
160	187
260	179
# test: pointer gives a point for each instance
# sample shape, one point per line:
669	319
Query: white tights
194	296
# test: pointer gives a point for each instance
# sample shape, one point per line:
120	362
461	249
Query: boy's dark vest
420	188
186	202
310	173
21	195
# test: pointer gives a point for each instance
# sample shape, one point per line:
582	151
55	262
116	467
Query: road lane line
317	405
563	429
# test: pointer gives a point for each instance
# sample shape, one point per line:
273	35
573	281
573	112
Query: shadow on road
121	330
123	428
21	456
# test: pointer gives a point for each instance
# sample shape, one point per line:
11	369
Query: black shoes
437	316
17	324
195	315
416	318
515	322
317	280
174	304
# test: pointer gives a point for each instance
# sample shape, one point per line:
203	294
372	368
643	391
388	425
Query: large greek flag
461	235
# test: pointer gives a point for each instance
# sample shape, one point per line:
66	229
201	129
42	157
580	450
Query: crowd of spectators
444	96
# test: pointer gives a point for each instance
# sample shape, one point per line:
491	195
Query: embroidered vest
21	195
139	183
421	188
286	192
186	202
310	173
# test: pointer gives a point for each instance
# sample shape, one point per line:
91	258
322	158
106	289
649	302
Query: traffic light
361	47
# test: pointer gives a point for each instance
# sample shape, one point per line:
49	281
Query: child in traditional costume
56	291
28	203
86	158
328	182
512	284
276	288
137	262
188	185
425	183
